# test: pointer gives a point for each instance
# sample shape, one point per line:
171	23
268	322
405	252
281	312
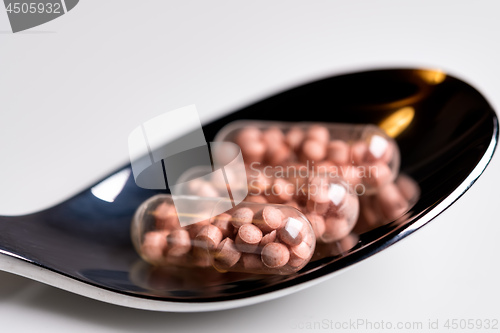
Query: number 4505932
33	7
471	324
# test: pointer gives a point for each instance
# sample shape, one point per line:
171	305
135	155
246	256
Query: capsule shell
388	204
251	237
343	145
332	208
272	236
321	196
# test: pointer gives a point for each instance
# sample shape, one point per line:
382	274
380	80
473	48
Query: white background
71	91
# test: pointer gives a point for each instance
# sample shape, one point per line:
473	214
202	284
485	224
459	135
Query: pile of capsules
310	186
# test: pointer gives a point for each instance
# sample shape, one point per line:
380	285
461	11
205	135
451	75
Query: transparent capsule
329	203
331	207
391	202
249	237
361	154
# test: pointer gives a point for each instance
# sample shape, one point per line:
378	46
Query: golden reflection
398	121
432	76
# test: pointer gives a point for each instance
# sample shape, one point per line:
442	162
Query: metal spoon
447	133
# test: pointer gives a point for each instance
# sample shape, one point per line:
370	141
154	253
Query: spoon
447	133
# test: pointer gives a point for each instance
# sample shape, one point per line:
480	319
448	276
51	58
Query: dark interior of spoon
448	137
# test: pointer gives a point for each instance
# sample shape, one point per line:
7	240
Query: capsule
361	154
331	206
391	202
250	237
